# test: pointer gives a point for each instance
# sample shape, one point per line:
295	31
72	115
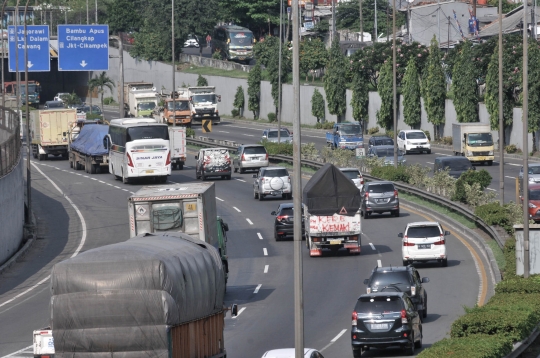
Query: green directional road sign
206	126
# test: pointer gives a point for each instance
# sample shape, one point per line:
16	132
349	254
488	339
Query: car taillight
404	317
168	161
413	291
243	158
130	162
266	157
440	242
407	243
362	181
395	193
354	318
280	218
354	238
366	195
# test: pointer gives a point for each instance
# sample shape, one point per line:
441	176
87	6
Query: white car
59	96
424	241
191	43
355	175
290	353
272	181
413	140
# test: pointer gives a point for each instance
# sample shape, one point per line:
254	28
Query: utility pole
3	57
526	262
27	115
96	12
448	43
501	109
333	35
173	94
394	82
297	192
387	26
439	20
279	71
121	99
361	22
376	37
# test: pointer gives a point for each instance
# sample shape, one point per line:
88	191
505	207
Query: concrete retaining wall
11	212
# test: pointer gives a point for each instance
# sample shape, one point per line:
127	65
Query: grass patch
498	253
305	170
440	209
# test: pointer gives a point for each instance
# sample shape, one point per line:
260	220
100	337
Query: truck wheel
261	197
490	162
93	168
180	166
70	163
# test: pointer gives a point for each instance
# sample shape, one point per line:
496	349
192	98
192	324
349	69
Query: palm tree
70	98
100	82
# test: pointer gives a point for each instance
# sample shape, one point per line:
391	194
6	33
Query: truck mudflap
317	244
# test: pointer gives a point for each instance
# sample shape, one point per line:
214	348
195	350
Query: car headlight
531	205
490	152
469	153
342	140
408	143
531	180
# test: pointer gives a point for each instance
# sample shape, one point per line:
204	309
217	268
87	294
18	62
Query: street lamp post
279	71
27	115
3	55
525	144
394	82
501	117
173	67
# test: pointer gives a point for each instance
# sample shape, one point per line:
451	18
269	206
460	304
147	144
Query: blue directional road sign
83	47
37	43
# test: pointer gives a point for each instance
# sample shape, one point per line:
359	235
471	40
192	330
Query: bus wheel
124	179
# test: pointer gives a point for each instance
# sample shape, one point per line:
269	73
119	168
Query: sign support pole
27	115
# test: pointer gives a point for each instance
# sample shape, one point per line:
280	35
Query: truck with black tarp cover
155	295
87	150
331	210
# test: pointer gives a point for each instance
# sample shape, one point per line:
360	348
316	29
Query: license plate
424	246
379	326
381	200
149	171
276	192
254	158
335	242
418	146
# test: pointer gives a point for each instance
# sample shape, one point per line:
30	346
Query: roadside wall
160	75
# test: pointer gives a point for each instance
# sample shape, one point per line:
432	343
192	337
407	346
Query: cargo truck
345	136
331	212
203	103
34	90
182	114
154	295
87	150
473	141
187	207
177	145
49	130
141	98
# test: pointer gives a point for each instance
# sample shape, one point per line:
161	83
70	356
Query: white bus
139	147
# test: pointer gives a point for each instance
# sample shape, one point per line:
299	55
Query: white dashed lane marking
235	208
265	251
259	235
257	288
372	246
379	263
249	221
219	199
239	312
266	268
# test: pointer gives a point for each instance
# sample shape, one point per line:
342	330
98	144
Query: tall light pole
525	143
173	94
333	35
375	40
96	12
279	70
394	82
501	109
361	22
3	55
27	115
297	191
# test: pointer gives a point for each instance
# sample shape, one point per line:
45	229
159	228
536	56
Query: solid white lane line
257	288
240	180
20	351
235	208
339	335
219	199
265	268
430	163
379	263
249	221
125	190
259	235
372	246
509	177
240	311
516	165
491	189
265	251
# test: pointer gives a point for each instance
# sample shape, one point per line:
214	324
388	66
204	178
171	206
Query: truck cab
345	136
203	102
179	111
473	141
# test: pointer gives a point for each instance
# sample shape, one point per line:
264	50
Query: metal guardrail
10	149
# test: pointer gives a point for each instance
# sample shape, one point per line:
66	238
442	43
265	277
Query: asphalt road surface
77	211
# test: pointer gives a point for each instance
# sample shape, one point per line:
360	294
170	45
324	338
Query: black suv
283	225
400	278
385	319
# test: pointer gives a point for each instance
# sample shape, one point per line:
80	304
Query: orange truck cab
182	113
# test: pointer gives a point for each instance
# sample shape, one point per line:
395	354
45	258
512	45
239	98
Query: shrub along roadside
474	346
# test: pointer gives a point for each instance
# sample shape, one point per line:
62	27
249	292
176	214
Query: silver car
271	135
379	197
250	156
534	173
386	152
354	174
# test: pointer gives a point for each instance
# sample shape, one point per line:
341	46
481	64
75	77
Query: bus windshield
198	98
241	38
147	132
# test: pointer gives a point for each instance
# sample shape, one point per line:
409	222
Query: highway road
77	211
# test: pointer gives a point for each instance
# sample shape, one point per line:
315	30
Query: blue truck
345	136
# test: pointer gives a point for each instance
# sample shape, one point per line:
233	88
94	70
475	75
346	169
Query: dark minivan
456	165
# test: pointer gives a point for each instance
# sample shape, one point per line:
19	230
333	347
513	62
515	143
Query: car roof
345	169
380	136
391	269
412	130
379	182
532	165
423	223
53	102
383	294
252	145
273	168
285	353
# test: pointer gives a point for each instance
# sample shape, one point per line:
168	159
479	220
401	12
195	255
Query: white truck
473	141
203	103
43	344
177	144
141	98
331	212
49	131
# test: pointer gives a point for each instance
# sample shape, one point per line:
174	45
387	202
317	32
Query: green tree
335	81
239	100
313	56
347	16
434	88
122	16
254	89
385	88
360	99
317	105
534	91
412	108
272	69
464	86
71	99
481	56
100	83
202	81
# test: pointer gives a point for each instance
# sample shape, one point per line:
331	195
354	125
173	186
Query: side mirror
273	213
225	226
64	134
255	175
196	157
425	279
234	310
446	233
400	235
366	281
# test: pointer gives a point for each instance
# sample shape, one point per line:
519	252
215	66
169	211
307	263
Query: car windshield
241	38
147	132
534	170
423	231
383	141
351	174
380	188
180	105
145	106
416	135
274	134
378	305
254	150
55	105
350	129
200	98
480	139
275	173
457	164
381	278
286	212
534	194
